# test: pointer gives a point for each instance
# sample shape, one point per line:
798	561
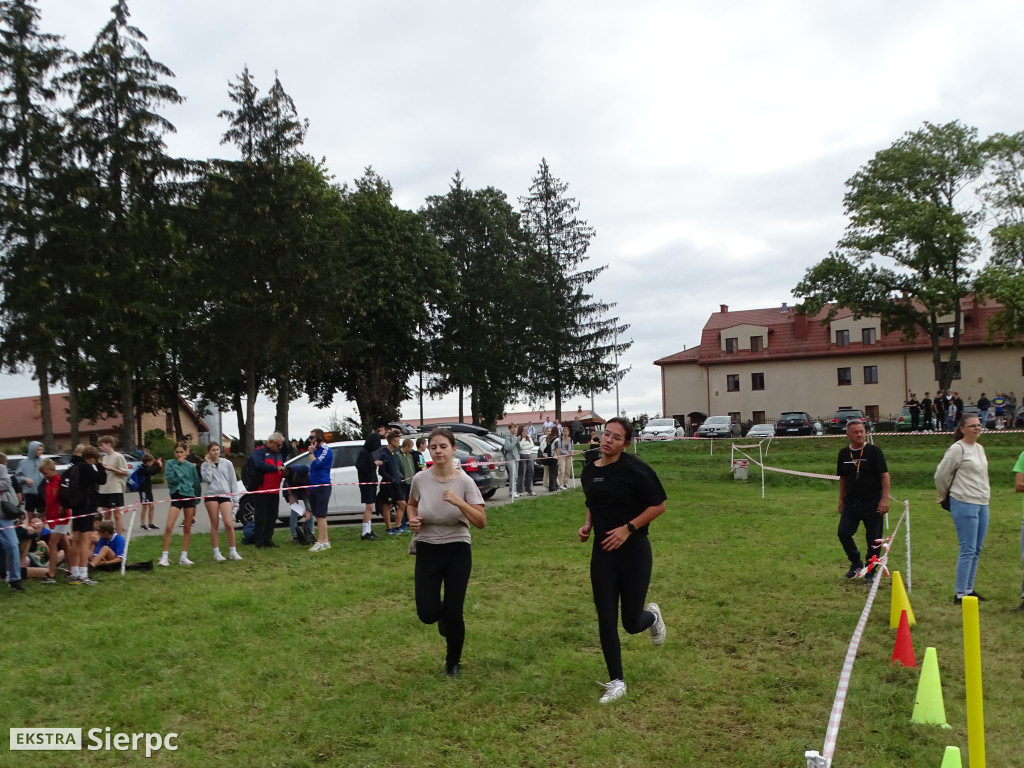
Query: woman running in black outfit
623	496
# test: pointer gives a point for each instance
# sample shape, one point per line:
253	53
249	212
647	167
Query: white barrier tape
832	732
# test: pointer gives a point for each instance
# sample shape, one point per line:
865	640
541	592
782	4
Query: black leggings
623	573
450	565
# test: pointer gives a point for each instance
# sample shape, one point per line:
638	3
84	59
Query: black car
837	425
794	423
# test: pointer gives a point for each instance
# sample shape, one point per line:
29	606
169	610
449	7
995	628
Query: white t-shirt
443	523
115	483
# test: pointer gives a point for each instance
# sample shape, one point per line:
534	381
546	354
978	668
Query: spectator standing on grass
86	475
527	453
443	503
926	412
564	446
112	491
150	466
915	412
510	453
185	489
863	497
952	413
321	459
623	496
940	410
392	492
999	401
8	534
963	475
219	475
32	479
1011	410
983	406
57	519
1018	486
367	462
268	465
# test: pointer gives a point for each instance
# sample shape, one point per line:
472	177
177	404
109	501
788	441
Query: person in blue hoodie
32	481
321	459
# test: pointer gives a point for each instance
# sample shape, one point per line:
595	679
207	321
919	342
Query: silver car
718	426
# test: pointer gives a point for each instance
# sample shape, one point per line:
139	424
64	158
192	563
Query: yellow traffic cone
928	707
900	602
952	758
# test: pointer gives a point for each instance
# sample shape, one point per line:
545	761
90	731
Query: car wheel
490	493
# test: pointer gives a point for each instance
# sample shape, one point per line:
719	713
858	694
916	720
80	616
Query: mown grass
295	659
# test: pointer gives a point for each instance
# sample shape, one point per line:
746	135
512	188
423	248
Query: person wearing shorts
57	520
321	459
112	491
219	475
183	483
150	466
90	474
367	462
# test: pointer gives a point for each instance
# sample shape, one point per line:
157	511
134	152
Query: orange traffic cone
903	652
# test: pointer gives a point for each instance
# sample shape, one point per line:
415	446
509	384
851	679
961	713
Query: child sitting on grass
109	551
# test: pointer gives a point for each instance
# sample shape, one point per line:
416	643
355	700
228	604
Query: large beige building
755	364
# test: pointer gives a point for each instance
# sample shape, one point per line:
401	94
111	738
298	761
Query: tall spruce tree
30	158
488	253
574	346
119	142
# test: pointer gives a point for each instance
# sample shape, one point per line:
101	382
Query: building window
734	417
169	425
871	411
868	336
870	374
756	343
757	381
759	417
943	367
947	330
731	345
732	382
842	338
844	376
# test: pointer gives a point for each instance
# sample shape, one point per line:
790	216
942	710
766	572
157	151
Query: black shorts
146	497
182	502
82	523
109	500
367	492
218	499
34	503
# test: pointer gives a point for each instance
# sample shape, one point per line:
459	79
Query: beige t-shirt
443	523
115	483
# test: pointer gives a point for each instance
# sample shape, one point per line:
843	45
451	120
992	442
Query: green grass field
296	659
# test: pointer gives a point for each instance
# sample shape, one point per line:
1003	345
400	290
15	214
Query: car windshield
718	420
659	423
792	415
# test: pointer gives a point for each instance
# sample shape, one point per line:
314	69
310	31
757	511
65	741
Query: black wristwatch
632	528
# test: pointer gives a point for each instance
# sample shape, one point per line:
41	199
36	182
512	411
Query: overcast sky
707	143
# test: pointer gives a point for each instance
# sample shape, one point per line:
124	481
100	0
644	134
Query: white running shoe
657	629
317	547
616	689
184	561
234	556
218	557
163	561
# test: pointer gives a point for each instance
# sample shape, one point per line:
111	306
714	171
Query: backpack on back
250	478
134	480
70	495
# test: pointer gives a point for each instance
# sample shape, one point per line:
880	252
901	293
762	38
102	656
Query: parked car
794	423
718	426
480	460
903	422
761	430
842	415
662	429
344	502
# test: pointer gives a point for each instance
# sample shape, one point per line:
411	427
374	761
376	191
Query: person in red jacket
57	519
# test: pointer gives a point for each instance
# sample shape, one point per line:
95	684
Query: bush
158	444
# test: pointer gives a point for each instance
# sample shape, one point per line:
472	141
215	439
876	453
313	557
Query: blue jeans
12	555
971	521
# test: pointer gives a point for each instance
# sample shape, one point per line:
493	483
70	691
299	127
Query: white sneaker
163	561
218	557
317	547
184	561
234	556
657	629
616	689
563	488
515	495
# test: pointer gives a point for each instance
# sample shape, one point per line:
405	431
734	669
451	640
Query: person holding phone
321	459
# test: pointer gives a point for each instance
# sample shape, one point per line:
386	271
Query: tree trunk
236	403
284	395
45	412
250	405
461	407
127	413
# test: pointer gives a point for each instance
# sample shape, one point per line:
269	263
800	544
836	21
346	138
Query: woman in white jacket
527	453
963	474
219	475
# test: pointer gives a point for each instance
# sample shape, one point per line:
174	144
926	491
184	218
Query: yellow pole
972	670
